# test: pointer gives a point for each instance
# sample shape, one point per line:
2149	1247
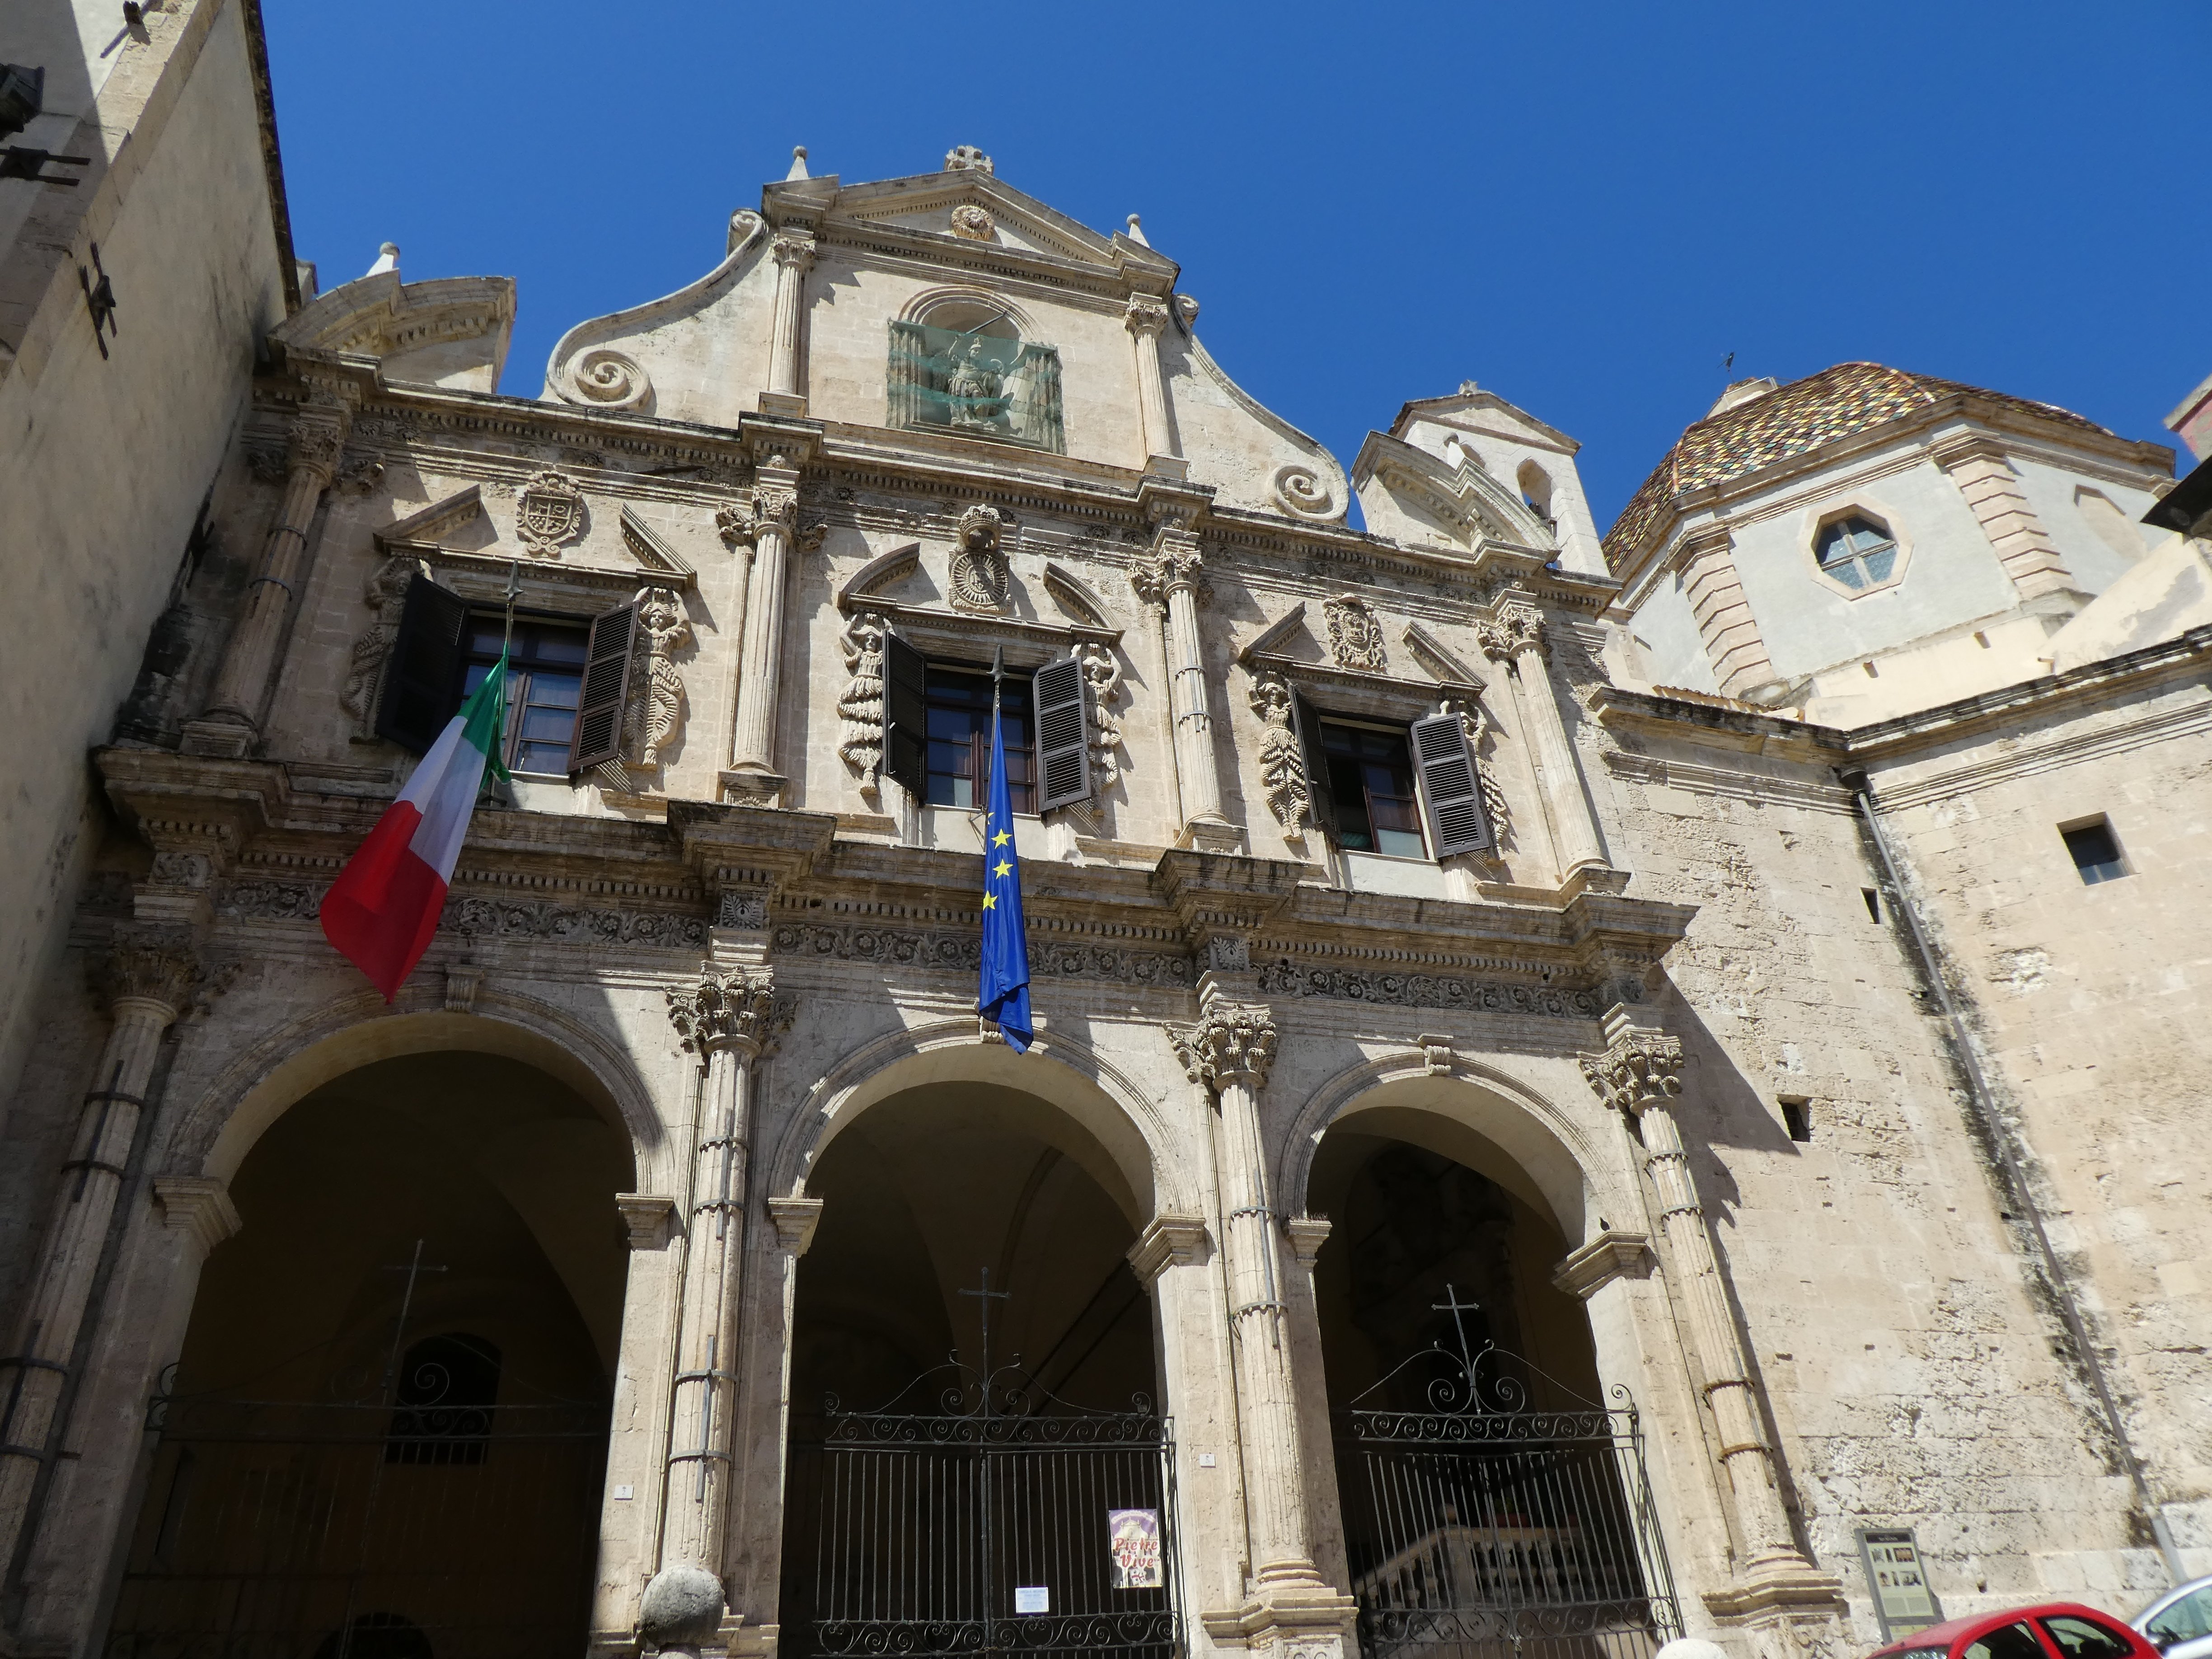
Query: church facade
1544	1125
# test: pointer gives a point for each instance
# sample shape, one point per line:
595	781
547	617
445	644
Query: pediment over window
1292	648
457	533
1412	495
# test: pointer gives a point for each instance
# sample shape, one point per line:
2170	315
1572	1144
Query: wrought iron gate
1484	1529
1004	1521
282	1530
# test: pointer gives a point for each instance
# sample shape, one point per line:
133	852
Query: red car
2049	1630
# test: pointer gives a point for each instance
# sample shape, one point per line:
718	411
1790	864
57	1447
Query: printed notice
1133	1540
1032	1598
1893	1568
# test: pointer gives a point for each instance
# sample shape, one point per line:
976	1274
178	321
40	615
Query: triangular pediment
927	203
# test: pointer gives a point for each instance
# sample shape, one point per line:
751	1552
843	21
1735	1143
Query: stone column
1230	1052
1977	463
795	257
1733	642
1640	1074
1515	637
1175	580
1147	319
232	717
147	978
771	528
735	523
727	1020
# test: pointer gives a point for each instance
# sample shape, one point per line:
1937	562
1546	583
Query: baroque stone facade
1775	1088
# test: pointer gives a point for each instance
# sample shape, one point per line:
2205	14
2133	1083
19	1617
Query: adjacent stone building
1552	1120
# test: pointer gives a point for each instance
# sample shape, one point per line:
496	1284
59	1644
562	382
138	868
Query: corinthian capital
157	965
1233	1043
1145	316
1517	626
736	1012
1638	1067
793	249
1176	563
313	443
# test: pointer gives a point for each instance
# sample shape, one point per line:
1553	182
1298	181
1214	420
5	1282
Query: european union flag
1004	994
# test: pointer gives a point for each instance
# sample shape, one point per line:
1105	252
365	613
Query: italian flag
384	907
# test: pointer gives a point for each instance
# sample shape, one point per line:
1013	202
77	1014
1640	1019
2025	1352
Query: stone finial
966	158
387	259
1233	1043
798	164
736	1010
1638	1067
1137	232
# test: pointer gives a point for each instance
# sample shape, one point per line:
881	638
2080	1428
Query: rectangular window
1797	1117
1370	785
960	704
2096	851
544	676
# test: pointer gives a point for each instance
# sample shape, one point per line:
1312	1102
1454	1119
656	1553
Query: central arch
973	1364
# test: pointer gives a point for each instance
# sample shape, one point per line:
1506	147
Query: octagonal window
1857	551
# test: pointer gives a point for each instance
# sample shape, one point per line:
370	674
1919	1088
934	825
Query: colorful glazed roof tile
1789	421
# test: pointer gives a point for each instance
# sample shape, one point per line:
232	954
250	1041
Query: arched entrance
978	1460
386	1433
1491	1491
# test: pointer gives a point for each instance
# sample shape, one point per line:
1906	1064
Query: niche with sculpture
968	370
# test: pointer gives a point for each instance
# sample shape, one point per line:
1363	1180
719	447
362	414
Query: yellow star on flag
990	901
1002	838
1001	867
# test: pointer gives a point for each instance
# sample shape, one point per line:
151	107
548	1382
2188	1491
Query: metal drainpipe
1931	962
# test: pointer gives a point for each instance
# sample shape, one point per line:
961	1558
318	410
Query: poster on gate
1133	1540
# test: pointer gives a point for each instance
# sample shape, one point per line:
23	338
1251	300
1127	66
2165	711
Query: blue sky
1584	207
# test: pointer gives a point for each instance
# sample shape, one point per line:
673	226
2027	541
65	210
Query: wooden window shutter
597	735
1063	744
1449	788
905	716
423	678
1317	790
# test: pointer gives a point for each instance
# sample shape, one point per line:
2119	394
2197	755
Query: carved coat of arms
549	514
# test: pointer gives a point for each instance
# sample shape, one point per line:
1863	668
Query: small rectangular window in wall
2096	851
1796	1116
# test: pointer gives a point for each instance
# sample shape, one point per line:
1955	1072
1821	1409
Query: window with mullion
1370	782
1857	552
544	677
959	705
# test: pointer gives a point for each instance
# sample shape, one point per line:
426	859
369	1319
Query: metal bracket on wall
100	300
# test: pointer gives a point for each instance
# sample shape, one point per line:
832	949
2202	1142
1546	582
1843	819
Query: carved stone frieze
1285	978
860	705
1637	1067
963	953
1233	1042
385	591
549	514
1355	634
736	1010
746	912
979	576
1282	759
1102	688
261	899
655	716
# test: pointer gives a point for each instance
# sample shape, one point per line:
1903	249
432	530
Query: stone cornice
1582	1272
2007	710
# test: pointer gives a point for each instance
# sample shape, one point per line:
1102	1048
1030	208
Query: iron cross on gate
986	1296
1452	1305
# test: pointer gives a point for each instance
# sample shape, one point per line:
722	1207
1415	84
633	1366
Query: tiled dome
1789	421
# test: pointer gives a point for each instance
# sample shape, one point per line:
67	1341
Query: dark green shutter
1449	787
905	716
422	677
599	732
1317	790
1063	744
